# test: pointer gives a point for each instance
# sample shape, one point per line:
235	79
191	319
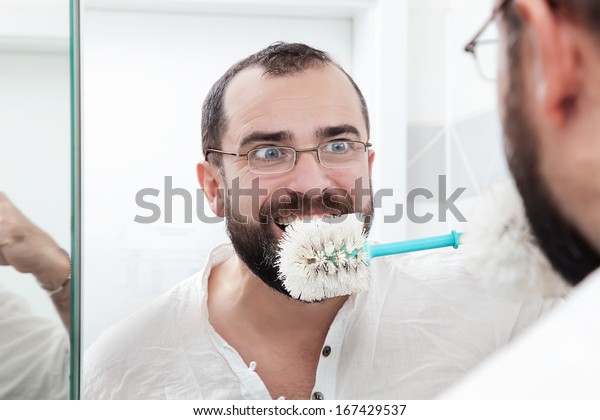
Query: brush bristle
324	258
502	251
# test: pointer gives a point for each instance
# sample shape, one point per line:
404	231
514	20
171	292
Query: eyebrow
333	131
288	136
275	137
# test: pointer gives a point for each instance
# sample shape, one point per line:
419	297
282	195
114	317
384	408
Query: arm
28	249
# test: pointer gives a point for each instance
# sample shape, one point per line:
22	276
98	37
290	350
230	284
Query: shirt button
317	396
326	351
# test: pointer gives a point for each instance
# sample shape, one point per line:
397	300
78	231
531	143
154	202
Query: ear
555	58
213	187
371	159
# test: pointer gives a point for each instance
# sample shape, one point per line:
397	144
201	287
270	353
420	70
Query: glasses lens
342	154
486	54
270	160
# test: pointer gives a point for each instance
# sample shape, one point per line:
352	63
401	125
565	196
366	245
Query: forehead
300	103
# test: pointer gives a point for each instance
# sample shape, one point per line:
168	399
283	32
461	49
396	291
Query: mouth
282	222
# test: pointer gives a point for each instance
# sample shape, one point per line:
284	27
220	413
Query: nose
309	175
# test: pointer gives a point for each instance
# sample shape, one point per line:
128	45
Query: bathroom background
147	65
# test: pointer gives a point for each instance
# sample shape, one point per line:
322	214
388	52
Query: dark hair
278	59
586	12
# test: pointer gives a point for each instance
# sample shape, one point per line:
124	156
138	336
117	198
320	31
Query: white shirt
423	324
557	359
34	353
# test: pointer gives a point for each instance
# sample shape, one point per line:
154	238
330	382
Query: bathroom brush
516	268
329	257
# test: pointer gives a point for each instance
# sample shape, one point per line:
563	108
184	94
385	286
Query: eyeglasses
485	51
275	159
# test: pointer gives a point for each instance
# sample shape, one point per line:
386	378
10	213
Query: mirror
146	67
145	70
35	200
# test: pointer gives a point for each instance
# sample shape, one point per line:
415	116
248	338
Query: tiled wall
469	152
454	128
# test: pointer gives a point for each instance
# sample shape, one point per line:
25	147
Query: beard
569	252
255	241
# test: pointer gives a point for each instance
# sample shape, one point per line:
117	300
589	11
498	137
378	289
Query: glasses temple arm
470	47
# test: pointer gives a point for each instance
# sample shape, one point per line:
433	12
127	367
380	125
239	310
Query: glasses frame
296	153
471	47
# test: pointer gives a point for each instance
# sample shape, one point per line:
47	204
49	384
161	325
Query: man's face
300	110
531	150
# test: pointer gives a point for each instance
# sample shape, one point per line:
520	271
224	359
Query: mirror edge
75	197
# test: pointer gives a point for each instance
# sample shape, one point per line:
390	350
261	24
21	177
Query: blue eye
269	153
337	147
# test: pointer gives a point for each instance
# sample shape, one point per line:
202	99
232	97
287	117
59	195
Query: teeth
292	218
285	220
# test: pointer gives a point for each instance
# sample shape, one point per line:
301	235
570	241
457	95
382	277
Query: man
289	128
34	350
549	90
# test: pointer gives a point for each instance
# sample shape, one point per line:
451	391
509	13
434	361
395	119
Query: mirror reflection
188	187
34	200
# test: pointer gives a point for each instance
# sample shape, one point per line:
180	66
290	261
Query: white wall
35	126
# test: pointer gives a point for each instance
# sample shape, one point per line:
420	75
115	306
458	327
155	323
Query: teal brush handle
381	250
